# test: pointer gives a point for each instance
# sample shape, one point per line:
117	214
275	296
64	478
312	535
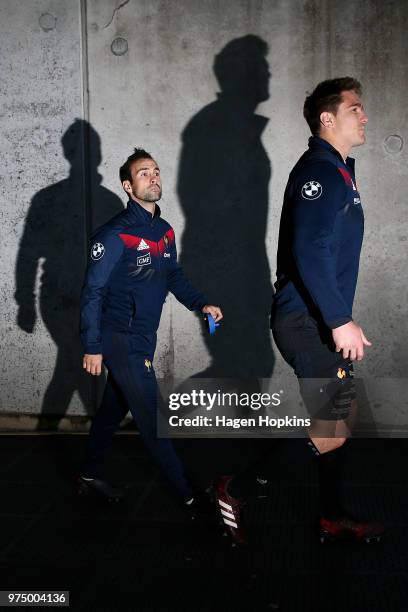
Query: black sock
242	485
330	466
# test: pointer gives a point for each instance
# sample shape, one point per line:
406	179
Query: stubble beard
149	196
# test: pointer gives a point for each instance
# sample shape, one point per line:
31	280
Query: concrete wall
43	222
85	82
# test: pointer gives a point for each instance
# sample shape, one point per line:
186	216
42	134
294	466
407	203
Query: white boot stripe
224	505
227	522
228	514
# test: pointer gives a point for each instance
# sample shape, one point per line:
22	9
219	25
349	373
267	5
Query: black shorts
325	377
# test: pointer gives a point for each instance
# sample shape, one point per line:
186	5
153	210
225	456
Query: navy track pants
131	386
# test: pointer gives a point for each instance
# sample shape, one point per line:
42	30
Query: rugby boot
230	509
99	488
348	528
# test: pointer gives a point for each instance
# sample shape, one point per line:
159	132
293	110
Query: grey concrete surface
225	145
41	96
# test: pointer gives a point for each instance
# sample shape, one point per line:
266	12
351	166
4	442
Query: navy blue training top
320	237
132	266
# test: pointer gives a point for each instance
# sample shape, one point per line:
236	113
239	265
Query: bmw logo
97	251
312	190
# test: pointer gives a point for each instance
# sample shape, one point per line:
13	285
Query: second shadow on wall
55	234
223	182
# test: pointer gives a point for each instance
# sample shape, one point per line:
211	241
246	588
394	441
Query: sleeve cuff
93	349
338	322
201	303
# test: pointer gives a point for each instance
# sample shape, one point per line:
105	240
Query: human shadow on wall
223	182
58	222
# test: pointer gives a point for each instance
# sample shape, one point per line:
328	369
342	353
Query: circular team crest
312	190
97	251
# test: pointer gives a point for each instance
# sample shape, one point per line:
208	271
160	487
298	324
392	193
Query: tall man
132	266
320	239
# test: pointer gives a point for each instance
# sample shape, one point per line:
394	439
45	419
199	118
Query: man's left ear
326	119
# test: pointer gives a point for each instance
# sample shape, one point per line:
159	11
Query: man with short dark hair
132	266
320	239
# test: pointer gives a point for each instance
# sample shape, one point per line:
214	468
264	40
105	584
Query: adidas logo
143	246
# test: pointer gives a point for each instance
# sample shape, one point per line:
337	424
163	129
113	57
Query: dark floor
145	554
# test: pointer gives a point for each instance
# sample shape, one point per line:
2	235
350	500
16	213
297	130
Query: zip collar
141	214
315	142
